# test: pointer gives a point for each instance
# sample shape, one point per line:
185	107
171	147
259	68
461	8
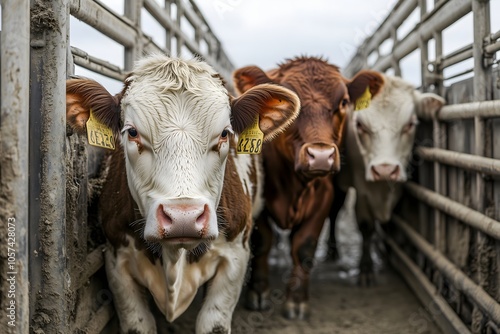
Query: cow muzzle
182	221
386	172
318	159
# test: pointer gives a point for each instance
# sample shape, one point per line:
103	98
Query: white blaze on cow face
385	131
175	138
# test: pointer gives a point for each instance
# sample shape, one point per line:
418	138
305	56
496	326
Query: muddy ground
338	305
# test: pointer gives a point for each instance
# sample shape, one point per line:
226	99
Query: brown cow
177	203
298	188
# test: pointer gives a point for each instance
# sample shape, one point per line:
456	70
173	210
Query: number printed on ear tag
251	139
364	100
99	134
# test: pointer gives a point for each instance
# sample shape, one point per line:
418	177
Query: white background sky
265	32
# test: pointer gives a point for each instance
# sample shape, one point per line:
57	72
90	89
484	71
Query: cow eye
408	127
361	127
132	133
224	133
344	102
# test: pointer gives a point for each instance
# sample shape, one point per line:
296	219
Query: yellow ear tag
99	134
251	139
364	100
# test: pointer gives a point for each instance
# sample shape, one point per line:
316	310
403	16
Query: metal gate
446	232
56	255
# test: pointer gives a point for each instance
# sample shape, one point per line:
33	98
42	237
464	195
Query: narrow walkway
338	304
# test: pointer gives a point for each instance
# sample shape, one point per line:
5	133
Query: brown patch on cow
85	94
117	209
235	207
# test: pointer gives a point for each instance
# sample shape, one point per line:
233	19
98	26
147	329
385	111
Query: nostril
309	153
203	217
332	154
395	172
163	216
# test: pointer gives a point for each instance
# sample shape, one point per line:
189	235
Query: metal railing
454	230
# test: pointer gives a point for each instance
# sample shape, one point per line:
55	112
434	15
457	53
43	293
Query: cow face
385	130
176	124
311	143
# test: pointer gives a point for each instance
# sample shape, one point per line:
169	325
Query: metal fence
447	245
45	172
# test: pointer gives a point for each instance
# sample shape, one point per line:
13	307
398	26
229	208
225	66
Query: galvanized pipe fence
46	173
447	246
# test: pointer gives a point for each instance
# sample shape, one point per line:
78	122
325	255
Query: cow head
311	143
385	130
176	125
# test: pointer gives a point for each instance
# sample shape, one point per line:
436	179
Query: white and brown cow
377	149
177	203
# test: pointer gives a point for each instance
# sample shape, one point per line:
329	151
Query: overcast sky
265	32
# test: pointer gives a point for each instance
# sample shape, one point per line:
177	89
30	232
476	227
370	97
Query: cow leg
338	202
366	275
129	297
257	298
304	241
223	293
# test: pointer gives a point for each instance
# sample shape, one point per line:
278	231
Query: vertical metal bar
180	14
49	274
14	125
168	33
424	53
439	139
132	11
482	82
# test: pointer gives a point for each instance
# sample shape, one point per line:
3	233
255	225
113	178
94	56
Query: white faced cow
378	145
185	217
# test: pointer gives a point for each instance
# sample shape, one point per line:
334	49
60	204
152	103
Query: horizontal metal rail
94	261
122	30
485	109
455	57
83	59
461	160
460	280
459	211
118	28
449	13
440	310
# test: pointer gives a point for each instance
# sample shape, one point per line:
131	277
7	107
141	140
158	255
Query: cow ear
82	95
248	77
428	105
365	78
276	106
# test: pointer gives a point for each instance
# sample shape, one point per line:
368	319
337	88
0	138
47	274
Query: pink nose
182	220
320	158
385	172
